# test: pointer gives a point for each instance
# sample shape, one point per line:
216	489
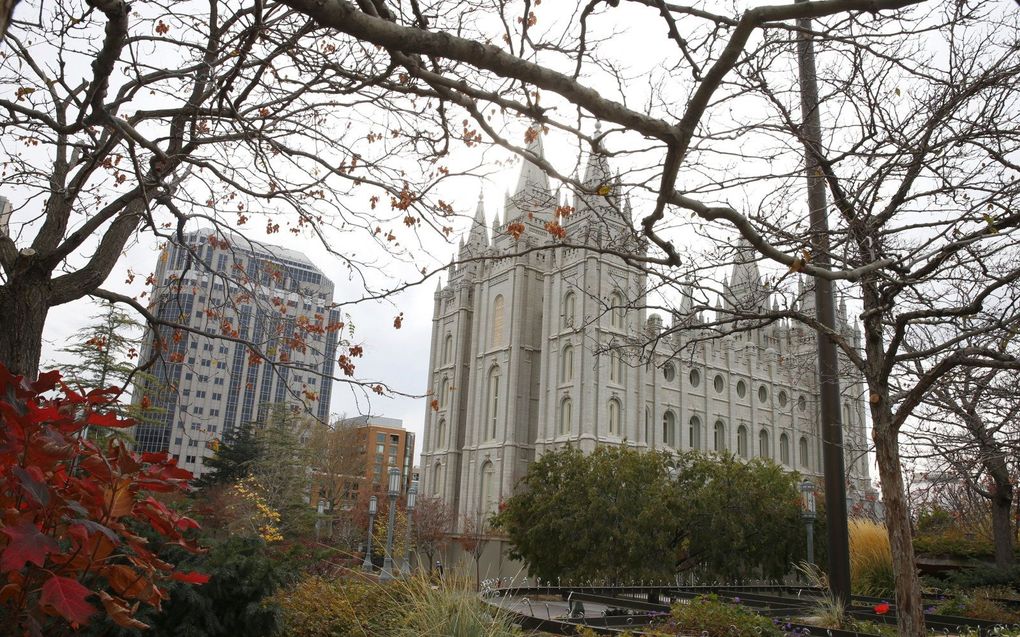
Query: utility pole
825	308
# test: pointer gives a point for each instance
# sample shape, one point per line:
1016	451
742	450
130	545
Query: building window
719	437
437	479
565	415
615	367
498	311
493	403
784	449
568	309
441	434
803	452
444	390
616	310
694	433
719	383
669	429
488	490
801	403
741	388
614	417
648	425
448	349
763	394
782	399
695	378
763	444
742	441
669	372
567	364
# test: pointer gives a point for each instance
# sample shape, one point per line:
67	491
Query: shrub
986	576
708	615
73	512
977	604
871	567
450	610
356	606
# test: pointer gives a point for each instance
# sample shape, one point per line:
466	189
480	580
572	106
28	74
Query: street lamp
808	513
372	508
405	569
394	491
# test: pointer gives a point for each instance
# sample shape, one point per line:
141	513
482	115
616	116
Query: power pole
825	308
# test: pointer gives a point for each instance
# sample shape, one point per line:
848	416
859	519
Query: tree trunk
23	309
1002	529
910	619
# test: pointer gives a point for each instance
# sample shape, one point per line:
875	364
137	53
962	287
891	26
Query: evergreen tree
103	352
235	456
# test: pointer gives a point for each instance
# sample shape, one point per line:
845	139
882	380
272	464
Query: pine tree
102	353
235	457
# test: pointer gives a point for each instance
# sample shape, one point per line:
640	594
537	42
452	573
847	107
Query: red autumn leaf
190	577
27	544
154	456
67	597
882	608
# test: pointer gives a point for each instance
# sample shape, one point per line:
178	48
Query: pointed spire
686	297
597	173
531	175
478	237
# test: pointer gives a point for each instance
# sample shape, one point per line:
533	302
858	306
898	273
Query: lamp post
394	490
807	494
320	509
372	508
405	568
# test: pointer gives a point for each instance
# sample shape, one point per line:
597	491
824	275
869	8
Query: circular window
669	372
695	378
801	404
782	399
718	383
741	388
763	394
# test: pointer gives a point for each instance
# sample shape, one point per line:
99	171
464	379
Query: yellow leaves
990	220
604	190
898	91
801	261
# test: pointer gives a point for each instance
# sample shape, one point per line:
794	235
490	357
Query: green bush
355	606
952	543
986	576
978	605
711	616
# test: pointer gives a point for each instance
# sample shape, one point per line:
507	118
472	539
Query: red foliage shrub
71	513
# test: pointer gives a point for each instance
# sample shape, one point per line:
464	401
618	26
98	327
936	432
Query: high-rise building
262	331
533	349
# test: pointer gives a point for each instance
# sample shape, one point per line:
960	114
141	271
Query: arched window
565	416
801	403
448	349
615	367
782	399
488	489
742	441
616	310
719	437
846	414
648	425
567	364
669	429
803	452
440	442
568	309
694	433
763	444
614	417
444	391
498	312
437	479
784	449
492	411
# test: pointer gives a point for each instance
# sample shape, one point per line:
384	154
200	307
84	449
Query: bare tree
433	522
337	463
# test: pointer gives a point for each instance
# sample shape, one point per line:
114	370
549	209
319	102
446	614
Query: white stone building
536	348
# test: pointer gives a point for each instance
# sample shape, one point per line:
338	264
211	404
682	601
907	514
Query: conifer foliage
71	512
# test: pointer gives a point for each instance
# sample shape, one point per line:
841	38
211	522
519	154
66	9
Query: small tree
234	458
473	539
433	520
